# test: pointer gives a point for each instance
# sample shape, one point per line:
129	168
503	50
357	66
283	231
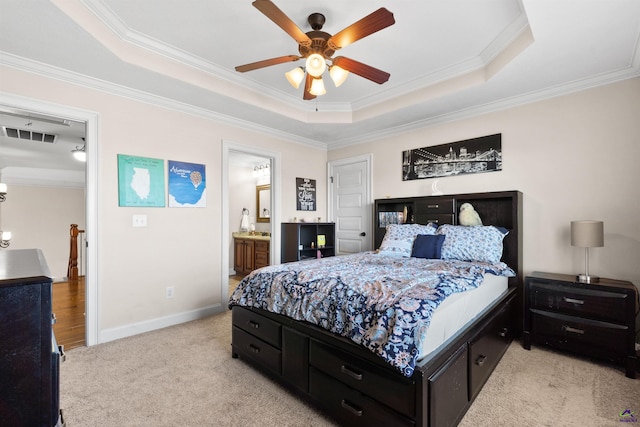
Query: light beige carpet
185	376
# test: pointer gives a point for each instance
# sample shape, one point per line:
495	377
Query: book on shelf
386	218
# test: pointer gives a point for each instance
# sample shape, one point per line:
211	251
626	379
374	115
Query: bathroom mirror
263	203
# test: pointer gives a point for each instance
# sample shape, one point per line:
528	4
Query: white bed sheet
458	309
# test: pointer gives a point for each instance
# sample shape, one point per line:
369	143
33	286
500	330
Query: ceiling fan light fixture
338	75
317	87
316	65
295	76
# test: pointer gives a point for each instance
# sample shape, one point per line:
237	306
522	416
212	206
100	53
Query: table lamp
587	234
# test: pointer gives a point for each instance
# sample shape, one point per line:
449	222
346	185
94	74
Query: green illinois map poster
140	181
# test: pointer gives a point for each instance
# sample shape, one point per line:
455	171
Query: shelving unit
300	240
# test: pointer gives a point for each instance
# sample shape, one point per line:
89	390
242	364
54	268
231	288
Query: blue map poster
187	185
140	181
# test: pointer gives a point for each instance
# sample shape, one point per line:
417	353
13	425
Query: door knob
363	234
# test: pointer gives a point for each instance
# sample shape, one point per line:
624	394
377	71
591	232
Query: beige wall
40	217
574	157
180	247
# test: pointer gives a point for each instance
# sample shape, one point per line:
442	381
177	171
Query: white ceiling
447	58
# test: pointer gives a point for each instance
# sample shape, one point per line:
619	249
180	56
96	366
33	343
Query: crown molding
503	104
49	71
53	72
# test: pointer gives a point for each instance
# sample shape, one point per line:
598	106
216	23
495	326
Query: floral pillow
398	239
476	243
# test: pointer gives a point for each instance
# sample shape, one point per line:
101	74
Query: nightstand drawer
593	303
257	325
592	337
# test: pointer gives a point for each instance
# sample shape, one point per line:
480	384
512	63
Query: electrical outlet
169	291
139	220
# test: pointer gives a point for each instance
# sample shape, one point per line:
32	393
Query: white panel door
351	204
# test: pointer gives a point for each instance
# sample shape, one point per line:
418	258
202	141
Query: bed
385	338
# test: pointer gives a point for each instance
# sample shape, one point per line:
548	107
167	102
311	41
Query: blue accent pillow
427	246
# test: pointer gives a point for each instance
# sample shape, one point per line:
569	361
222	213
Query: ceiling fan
317	47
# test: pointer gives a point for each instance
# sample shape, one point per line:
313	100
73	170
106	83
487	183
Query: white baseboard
112	334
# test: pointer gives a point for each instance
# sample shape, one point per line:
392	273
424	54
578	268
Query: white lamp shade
316	65
338	75
295	76
587	234
3	187
6	235
317	87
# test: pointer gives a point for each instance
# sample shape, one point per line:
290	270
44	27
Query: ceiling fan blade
368	25
266	63
272	12
307	86
363	70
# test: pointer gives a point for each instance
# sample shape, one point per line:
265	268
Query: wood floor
69	309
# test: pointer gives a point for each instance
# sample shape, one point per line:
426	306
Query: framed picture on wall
306	194
140	181
483	154
187	184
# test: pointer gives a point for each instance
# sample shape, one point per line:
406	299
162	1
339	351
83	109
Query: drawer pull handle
433	206
574	330
573	300
254	348
349	407
435	221
503	333
254	325
351	373
480	360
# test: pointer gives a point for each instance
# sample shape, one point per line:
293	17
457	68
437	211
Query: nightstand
592	319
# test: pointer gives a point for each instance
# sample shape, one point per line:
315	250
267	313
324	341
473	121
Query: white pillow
398	239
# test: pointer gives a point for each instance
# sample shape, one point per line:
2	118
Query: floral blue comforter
382	302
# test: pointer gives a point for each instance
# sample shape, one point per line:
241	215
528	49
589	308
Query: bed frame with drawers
354	386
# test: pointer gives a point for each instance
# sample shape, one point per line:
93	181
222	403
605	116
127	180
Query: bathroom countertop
247	235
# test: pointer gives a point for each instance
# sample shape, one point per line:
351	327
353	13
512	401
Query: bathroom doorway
246	173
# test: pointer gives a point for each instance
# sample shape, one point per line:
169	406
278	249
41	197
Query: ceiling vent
29	135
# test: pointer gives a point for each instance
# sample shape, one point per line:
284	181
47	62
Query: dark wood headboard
500	208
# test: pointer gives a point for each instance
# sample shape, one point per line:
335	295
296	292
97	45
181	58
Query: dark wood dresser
592	319
29	355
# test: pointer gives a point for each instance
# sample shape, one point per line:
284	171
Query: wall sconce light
587	234
3	191
5	237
